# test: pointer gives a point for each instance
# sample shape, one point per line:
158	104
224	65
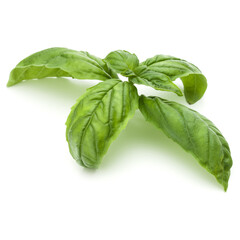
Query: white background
147	187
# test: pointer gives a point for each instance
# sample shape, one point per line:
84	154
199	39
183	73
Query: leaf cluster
104	110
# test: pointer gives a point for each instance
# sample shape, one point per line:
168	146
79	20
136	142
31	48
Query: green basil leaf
61	62
97	119
194	82
159	81
192	131
122	62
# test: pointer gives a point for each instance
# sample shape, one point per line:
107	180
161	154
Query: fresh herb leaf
159	81
122	62
194	82
97	119
193	132
61	62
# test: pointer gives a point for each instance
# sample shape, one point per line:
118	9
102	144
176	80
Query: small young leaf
192	131
122	62
60	62
195	83
97	118
159	81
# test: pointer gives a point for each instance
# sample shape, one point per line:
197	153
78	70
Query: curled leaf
194	82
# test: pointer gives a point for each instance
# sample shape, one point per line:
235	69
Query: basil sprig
104	110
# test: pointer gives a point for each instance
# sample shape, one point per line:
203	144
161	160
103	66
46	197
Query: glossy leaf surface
61	62
192	131
194	82
97	118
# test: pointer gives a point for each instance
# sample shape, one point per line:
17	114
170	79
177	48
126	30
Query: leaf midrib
91	117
